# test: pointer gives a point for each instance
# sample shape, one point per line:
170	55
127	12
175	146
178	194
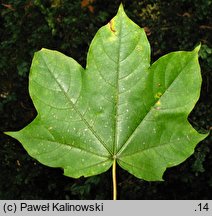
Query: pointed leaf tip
6	133
121	9
197	48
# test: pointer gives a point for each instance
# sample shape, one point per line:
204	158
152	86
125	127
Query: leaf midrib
118	92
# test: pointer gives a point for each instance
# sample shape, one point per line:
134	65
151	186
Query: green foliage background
26	26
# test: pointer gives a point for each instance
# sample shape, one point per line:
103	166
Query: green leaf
118	108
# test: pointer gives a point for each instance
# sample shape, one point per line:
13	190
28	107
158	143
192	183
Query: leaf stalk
114	180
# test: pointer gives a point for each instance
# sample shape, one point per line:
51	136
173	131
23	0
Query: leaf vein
66	145
148	113
76	110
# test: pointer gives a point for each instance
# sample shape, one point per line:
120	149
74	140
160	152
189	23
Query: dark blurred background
69	26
